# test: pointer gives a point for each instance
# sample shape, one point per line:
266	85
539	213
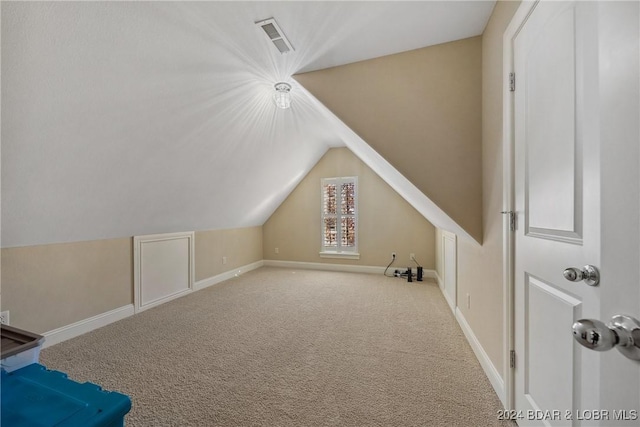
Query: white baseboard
87	325
163	300
439	281
347	268
451	303
489	369
213	280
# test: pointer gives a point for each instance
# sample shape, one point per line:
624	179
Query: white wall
129	118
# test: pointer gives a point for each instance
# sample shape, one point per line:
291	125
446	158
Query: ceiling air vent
275	35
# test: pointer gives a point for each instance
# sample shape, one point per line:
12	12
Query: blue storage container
35	396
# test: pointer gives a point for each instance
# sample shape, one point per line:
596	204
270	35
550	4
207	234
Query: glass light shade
282	97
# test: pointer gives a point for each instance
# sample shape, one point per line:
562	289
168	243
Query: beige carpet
281	347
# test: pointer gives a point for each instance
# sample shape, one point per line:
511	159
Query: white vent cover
275	35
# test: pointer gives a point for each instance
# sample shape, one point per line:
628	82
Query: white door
576	167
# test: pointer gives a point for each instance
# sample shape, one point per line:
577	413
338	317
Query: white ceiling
128	118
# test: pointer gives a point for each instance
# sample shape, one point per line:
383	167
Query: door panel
549	374
550	152
576	142
550	121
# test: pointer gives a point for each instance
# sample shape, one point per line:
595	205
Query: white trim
87	325
439	281
489	369
407	190
452	300
347	268
340	255
138	241
214	280
452	304
84	326
162	300
338	250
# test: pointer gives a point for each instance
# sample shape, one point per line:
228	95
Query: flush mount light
282	97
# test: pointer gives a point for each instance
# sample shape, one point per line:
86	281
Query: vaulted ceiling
128	118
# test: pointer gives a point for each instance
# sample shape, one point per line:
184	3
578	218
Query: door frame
508	199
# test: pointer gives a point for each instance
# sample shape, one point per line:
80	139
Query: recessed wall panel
163	268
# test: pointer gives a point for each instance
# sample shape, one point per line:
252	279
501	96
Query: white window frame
348	252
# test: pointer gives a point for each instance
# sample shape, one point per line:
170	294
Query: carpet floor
283	347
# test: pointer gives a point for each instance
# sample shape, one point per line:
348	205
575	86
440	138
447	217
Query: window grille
339	214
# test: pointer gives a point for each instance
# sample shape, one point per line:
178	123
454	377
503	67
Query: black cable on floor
385	270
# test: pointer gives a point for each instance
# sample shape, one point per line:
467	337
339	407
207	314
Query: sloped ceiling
128	118
422	112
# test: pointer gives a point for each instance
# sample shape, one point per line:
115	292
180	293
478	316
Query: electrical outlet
4	317
393	255
224	260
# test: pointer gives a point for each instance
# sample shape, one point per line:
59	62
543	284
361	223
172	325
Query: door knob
594	335
589	274
622	333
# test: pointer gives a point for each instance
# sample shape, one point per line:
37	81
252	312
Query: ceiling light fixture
282	97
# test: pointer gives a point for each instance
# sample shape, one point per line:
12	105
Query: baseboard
489	369
439	281
347	268
213	280
450	302
87	325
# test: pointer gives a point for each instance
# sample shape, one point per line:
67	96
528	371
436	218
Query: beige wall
436	115
241	246
49	286
480	268
421	110
429	133
387	223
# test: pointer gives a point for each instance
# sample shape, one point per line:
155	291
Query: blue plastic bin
35	396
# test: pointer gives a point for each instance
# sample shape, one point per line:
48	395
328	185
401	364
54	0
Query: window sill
342	255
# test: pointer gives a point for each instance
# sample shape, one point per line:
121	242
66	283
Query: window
339	217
